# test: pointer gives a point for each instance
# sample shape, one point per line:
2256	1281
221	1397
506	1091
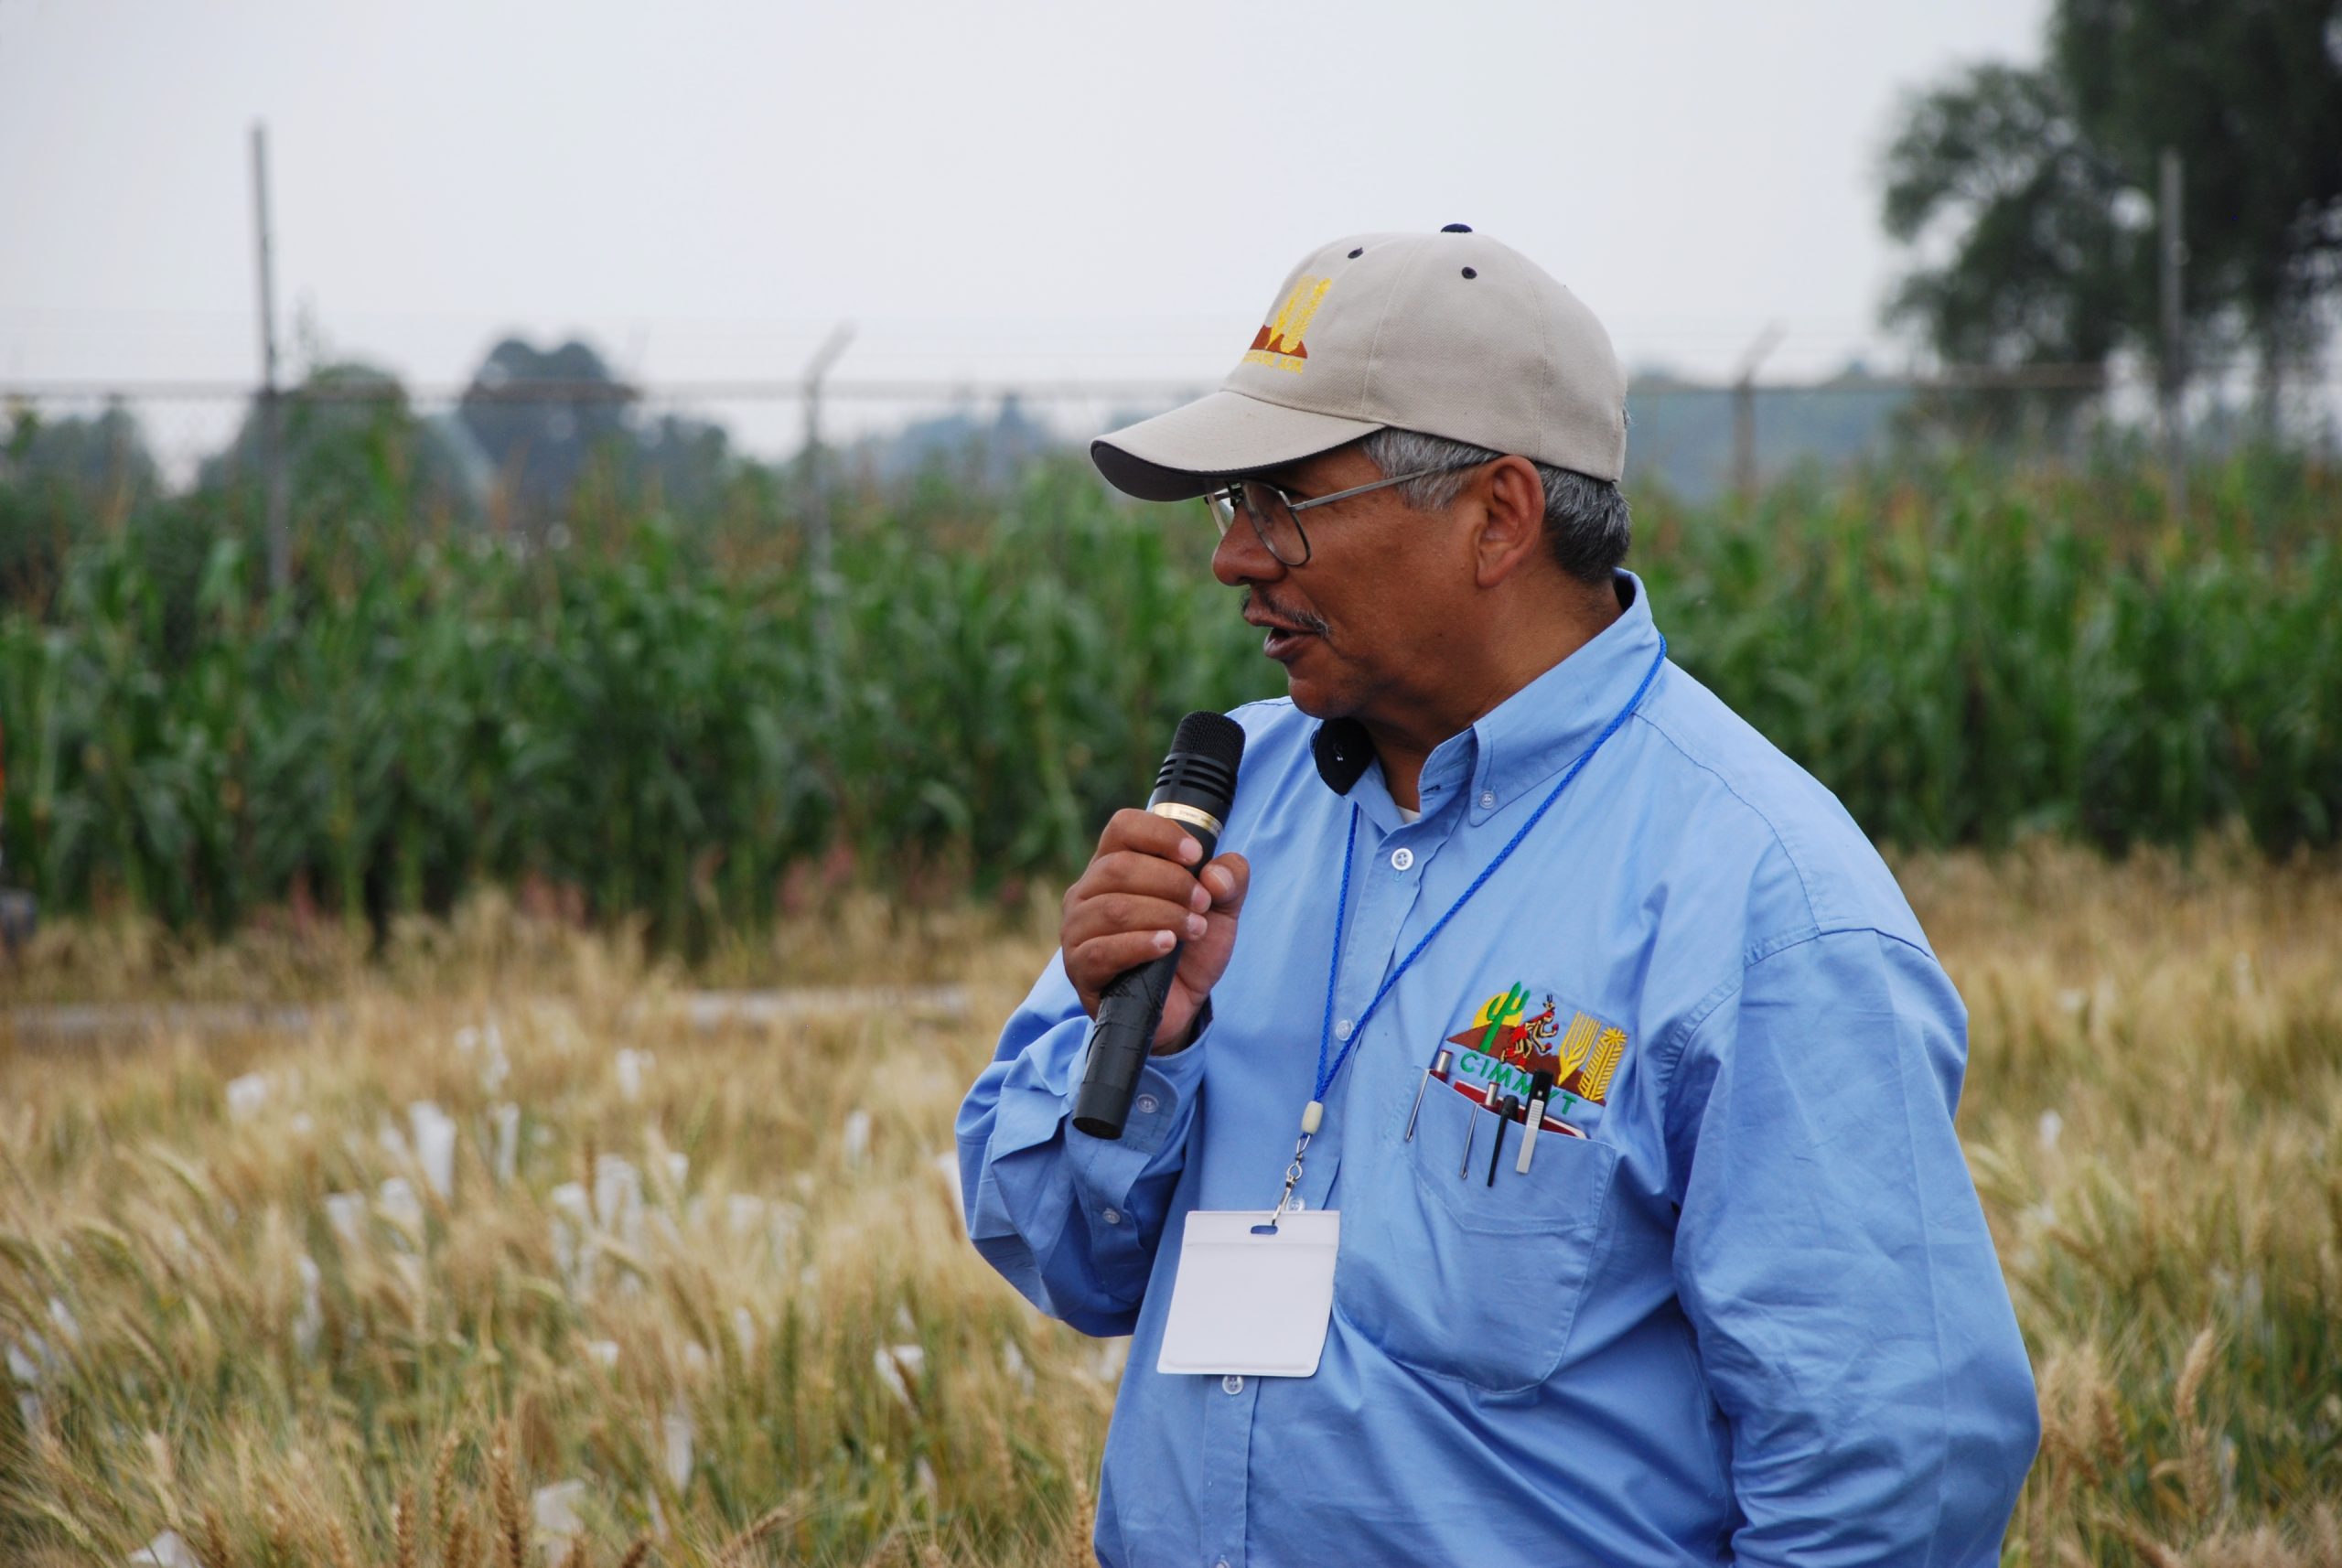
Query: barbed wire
1716	431
2039	377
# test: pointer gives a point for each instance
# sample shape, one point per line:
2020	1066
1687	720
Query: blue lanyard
1325	1074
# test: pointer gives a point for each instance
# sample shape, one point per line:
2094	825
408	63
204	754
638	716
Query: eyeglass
1276	516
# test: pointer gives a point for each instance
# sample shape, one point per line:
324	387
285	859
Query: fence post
1744	414
2174	367
272	404
817	499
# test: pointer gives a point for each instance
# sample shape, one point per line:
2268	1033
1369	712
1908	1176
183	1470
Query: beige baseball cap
1451	334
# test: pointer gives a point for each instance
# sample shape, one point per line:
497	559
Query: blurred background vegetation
632	713
542	634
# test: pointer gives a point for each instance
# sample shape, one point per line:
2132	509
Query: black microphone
1193	788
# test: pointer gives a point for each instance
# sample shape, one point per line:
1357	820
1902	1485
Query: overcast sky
984	190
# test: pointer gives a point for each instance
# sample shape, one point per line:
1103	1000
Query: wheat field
502	1257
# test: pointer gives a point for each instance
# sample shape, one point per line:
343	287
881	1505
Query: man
1742	1305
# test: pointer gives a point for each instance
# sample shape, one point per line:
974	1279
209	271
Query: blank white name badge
1252	1303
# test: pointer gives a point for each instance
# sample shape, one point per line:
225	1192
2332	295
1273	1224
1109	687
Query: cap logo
1279	343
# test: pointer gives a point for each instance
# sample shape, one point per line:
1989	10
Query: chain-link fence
521	448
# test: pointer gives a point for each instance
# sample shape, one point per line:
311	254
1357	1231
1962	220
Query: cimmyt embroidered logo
1279	343
1505	1046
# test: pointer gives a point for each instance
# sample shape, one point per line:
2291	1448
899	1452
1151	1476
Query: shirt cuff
1153	1134
1196	1027
1160	1101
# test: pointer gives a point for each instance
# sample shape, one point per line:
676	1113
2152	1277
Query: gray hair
1586	524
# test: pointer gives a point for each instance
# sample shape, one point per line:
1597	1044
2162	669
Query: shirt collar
1531	734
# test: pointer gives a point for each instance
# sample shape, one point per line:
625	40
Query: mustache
1302	618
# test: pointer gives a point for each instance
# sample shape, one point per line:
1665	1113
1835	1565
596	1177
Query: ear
1512	518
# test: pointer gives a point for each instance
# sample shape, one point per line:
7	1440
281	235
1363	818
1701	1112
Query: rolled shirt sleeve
1834	1262
1071	1221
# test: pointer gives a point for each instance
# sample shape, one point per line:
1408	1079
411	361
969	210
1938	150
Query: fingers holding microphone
1204	959
1133	902
1141	896
1141	901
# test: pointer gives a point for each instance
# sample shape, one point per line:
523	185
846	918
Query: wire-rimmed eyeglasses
1276	515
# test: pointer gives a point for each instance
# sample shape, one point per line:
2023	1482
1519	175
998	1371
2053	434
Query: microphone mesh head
1213	736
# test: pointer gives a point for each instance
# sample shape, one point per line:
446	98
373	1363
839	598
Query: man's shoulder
1739	788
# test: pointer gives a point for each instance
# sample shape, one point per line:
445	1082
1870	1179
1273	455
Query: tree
686	462
2042	270
538	418
355	453
60	479
2249	92
96	453
544	421
2044	180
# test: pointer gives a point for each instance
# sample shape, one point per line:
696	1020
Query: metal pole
1744	440
1743	414
817	500
2174	250
817	511
272	405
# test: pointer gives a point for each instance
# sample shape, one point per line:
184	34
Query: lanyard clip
1292	1179
1310	1121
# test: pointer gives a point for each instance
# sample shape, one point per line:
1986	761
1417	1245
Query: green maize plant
669	719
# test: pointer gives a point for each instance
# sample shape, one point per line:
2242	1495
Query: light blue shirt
1753	1315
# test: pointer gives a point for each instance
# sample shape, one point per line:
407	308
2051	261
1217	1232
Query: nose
1242	557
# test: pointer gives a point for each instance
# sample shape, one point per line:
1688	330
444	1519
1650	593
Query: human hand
1139	895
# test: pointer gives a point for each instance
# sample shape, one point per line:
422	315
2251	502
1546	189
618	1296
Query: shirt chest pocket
1458	1279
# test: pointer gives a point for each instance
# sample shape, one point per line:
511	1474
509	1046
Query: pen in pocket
1541	1090
1505	1113
1436	1068
1471	1131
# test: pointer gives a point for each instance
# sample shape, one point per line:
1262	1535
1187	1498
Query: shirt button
1298	1203
1111	1216
1342	1030
1232	1384
1146	1103
1401	858
1488	799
